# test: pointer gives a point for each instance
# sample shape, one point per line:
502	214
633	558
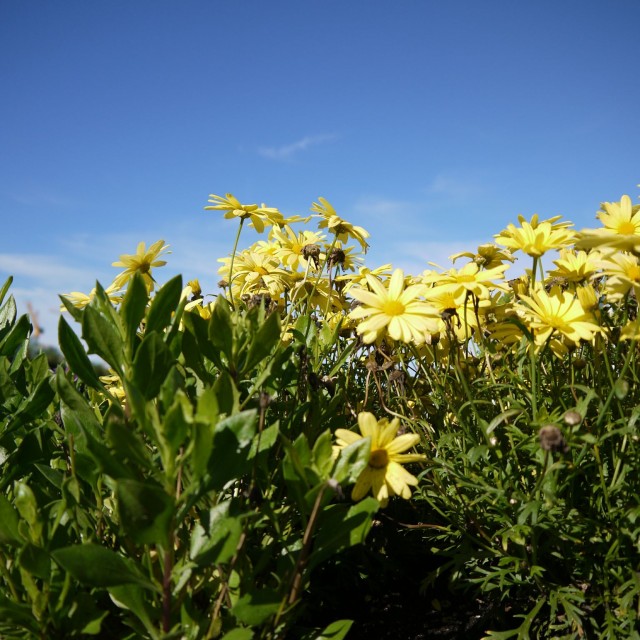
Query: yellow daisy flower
535	241
142	261
575	266
559	313
621	229
396	310
342	229
384	476
81	300
255	272
259	215
471	278
488	256
623	274
290	246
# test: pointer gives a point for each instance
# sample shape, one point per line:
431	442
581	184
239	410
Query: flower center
144	267
262	271
393	308
627	228
379	459
633	273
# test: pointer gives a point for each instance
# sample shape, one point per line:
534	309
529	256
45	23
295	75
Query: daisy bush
282	446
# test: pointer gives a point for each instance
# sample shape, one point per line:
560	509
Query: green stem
233	257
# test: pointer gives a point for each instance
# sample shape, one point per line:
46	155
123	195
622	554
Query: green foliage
160	505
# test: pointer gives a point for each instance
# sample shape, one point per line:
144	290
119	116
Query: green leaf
17	337
231	442
32	407
103	338
8	314
203	428
266	338
20	615
36	561
145	511
9	533
342	526
76	355
98	566
151	365
336	630
221	328
77	416
352	461
3	293
177	421
132	597
133	308
164	304
216	542
74	312
322	454
239	633
256	607
198	327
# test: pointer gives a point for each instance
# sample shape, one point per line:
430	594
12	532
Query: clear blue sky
431	124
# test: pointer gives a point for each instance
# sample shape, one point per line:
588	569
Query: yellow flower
342	229
289	246
353	279
81	300
558	313
536	240
396	310
488	256
255	272
469	279
384	475
621	227
623	271
142	261
575	266
234	209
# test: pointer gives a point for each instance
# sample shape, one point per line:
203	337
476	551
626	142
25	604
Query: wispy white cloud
453	188
286	152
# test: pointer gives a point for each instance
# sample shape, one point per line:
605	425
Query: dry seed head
551	439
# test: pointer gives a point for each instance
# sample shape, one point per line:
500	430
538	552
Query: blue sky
431	124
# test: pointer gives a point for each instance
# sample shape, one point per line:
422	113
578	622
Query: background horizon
432	126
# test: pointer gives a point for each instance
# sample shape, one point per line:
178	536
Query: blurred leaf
322	454
133	308
239	633
215	542
36	561
132	597
151	365
20	615
336	630
352	461
342	526
9	533
231	442
18	336
266	338
97	566
256	607
163	305
3	292
76	356
145	511
621	389
103	338
221	328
